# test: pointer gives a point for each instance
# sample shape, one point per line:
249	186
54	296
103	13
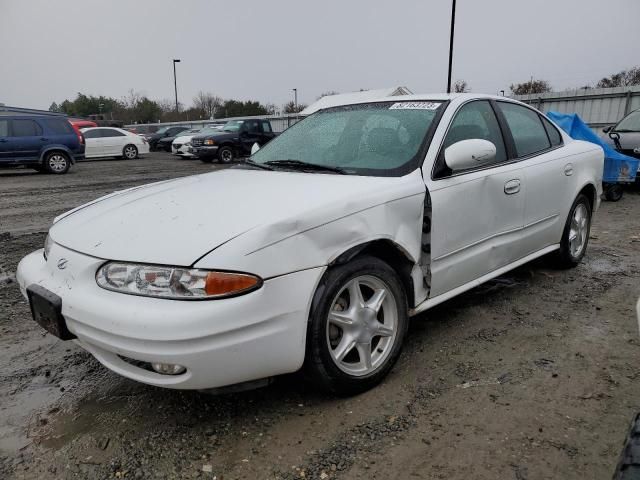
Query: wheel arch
389	252
591	192
56	148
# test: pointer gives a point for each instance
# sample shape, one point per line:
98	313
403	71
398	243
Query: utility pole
453	23
175	81
295	99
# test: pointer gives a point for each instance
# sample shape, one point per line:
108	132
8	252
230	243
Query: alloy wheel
579	230
362	325
57	162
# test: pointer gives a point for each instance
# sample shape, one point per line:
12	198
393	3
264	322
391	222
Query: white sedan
329	238
181	145
113	142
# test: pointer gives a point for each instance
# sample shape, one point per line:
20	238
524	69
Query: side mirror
469	154
607	129
254	148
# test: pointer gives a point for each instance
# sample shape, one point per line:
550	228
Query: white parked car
113	142
181	145
329	238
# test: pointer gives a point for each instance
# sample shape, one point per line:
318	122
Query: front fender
255	251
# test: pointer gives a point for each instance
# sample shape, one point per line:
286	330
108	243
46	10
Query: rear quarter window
552	131
57	126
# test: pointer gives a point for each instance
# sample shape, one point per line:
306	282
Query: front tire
356	327
130	152
56	163
575	236
225	155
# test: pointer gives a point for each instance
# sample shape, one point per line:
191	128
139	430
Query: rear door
477	214
548	173
27	139
113	141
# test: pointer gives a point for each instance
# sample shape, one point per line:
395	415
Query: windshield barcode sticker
414	106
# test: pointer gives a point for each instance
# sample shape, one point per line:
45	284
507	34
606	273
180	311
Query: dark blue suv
47	143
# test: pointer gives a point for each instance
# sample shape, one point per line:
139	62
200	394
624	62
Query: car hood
183	139
176	222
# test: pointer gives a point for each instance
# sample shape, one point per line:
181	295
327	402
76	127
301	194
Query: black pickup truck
234	140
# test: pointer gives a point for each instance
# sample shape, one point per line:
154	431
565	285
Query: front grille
197	142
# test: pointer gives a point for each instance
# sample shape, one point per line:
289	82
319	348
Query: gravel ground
531	376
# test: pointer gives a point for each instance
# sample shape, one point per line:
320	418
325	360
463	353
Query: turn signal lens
209	142
222	283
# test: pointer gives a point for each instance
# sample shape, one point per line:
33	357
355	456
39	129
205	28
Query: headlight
177	283
209	142
47	246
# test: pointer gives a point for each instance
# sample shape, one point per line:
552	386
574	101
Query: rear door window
554	135
58	126
110	132
4	128
529	135
266	127
25	128
92	133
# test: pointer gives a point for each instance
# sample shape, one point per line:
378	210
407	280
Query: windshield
381	139
233	126
162	130
630	123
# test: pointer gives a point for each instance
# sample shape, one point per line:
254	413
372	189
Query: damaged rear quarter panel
293	244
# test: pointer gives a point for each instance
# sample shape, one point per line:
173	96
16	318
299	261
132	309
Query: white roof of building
354	97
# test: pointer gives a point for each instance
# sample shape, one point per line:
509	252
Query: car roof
422	97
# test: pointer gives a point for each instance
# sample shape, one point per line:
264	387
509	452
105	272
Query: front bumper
206	151
220	342
183	150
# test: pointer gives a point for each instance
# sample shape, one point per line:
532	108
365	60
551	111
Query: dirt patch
531	376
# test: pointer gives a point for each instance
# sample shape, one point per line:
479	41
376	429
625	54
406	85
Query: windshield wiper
258	165
300	165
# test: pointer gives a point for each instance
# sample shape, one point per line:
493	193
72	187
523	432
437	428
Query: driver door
477	214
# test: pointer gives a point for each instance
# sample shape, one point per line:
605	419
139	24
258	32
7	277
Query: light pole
295	99
502	92
453	22
175	82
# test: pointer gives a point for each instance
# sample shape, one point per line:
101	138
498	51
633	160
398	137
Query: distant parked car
234	140
165	142
181	145
114	142
162	133
80	123
625	135
42	142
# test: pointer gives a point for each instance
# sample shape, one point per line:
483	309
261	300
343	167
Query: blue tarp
618	167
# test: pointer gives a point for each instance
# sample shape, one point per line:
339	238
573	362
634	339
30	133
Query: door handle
568	169
512	186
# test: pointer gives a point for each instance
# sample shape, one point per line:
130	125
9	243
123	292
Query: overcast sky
249	49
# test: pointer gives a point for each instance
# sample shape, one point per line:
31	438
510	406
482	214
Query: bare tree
207	103
292	108
621	79
461	86
532	86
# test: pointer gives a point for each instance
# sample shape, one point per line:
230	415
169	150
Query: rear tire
130	152
353	340
575	236
225	155
56	163
613	193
